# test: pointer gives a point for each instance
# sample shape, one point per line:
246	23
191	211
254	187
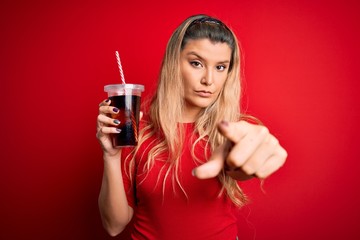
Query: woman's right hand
107	126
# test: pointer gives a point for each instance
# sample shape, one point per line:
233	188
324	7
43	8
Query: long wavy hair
166	106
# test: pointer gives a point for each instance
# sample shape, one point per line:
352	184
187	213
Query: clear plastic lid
121	87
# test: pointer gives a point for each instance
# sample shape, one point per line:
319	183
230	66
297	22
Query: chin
201	104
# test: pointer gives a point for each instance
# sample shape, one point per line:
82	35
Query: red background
302	81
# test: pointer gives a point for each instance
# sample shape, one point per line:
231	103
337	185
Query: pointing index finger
214	166
233	131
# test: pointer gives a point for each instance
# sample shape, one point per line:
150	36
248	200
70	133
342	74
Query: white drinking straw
120	68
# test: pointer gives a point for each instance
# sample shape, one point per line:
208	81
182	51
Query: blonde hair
166	106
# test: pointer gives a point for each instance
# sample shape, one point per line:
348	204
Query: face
204	68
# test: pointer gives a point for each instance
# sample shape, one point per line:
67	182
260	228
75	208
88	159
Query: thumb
214	166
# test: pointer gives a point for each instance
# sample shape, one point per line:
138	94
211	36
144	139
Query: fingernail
116	121
107	100
115	109
224	123
118	130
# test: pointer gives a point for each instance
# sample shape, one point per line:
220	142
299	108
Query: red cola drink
126	97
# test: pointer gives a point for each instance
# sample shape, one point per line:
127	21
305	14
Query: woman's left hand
250	150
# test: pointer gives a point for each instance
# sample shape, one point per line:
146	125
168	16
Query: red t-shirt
163	211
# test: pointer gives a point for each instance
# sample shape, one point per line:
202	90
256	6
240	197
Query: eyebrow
198	56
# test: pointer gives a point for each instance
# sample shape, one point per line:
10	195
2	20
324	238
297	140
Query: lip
203	93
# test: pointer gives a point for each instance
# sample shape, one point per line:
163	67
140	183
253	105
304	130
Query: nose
208	77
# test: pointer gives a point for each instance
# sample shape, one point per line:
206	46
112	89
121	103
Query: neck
190	115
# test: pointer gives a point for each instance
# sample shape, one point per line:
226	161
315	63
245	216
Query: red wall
302	80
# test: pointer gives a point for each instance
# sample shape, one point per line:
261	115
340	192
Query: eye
196	64
221	68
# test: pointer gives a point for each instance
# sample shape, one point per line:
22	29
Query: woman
182	180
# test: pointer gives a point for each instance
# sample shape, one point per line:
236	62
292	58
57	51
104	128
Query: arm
114	209
113	205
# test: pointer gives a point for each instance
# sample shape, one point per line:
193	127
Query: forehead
204	48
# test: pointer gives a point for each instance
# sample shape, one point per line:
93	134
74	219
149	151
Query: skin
204	68
250	150
114	209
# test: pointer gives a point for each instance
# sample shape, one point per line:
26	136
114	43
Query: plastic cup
125	97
